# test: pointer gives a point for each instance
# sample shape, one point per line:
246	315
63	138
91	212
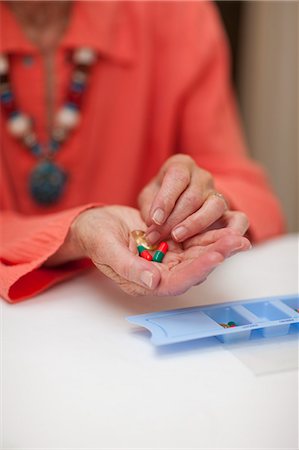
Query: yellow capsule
137	233
138	236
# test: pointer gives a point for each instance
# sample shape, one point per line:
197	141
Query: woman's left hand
181	201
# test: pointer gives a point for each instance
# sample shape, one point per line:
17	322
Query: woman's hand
181	201
104	235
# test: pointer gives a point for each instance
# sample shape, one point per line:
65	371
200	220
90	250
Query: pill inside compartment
266	312
226	314
293	304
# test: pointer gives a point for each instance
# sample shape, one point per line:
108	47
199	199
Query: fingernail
238	249
179	233
153	237
146	279
158	216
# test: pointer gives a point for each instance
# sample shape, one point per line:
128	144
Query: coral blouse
161	86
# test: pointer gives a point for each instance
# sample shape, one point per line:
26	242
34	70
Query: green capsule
231	324
158	256
140	249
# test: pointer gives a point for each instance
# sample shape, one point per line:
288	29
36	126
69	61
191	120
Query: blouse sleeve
211	132
26	243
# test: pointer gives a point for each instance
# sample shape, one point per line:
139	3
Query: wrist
71	249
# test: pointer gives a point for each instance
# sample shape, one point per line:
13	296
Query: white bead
67	118
19	125
85	56
4	65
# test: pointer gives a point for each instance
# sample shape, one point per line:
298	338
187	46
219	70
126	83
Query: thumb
130	266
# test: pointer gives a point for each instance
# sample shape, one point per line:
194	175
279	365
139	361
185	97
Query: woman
134	127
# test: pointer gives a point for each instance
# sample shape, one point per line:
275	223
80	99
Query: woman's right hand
104	235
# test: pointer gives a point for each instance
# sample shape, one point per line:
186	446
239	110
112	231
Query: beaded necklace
47	180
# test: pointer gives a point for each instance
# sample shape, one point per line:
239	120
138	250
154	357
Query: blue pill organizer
273	316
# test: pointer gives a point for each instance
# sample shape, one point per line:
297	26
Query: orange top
161	86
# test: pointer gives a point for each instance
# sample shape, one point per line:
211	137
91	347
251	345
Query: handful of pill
228	324
144	247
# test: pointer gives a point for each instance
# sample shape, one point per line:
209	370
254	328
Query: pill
161	251
224	325
144	253
231	324
139	238
297	310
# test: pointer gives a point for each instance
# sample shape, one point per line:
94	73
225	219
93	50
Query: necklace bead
19	125
68	117
47	180
85	56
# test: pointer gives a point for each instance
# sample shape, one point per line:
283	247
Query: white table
77	375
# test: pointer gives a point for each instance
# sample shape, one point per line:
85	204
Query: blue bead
6	96
54	145
14	114
36	149
71	106
77	87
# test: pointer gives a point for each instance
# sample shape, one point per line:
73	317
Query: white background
75	374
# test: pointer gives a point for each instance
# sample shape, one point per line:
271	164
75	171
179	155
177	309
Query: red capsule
146	255
163	247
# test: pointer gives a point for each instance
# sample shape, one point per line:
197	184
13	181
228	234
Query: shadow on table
262	356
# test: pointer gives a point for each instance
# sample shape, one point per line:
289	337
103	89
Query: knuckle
179	173
128	270
220	203
244	219
182	158
207	177
193	224
191	198
196	224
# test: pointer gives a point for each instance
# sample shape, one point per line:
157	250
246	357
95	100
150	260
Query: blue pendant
47	182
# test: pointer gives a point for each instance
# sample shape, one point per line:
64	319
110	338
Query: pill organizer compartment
267	312
228	314
292	303
181	323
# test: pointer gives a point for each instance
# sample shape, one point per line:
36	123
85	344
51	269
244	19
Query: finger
186	275
224	241
211	210
230	245
145	201
129	266
190	201
208	237
237	220
175	181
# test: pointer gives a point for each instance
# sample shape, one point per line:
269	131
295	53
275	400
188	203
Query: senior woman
119	116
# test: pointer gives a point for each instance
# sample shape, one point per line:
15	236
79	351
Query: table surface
76	374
